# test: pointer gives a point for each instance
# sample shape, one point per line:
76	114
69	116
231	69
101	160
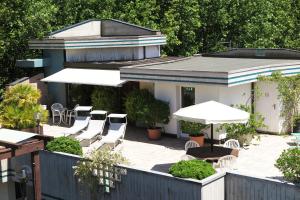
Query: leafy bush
141	106
135	104
97	160
156	112
66	145
106	98
192	128
289	164
19	105
244	132
197	169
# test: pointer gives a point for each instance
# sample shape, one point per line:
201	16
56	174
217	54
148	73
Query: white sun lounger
94	129
116	132
79	124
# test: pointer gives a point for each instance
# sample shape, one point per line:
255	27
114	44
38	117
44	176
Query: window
187	96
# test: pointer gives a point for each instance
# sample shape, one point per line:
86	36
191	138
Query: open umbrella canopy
212	112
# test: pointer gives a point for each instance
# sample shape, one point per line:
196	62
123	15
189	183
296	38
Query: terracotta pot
154	134
199	139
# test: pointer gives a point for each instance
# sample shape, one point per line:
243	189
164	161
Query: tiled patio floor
258	159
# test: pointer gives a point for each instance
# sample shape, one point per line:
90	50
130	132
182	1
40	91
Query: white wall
87	29
152	51
110	54
268	105
168	92
240	94
205	93
227	95
105	54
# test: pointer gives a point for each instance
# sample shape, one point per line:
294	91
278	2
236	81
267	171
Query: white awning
87	77
212	112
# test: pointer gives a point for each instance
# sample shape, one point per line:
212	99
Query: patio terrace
258	159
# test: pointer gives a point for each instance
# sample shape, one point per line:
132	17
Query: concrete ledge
32	63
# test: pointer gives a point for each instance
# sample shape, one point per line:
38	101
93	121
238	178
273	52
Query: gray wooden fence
241	187
58	182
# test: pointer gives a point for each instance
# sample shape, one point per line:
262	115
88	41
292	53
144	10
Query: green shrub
156	112
106	98
141	106
135	104
19	105
97	159
66	145
289	164
197	169
244	132
192	128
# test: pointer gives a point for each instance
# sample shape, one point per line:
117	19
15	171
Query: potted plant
142	107
65	145
244	133
195	131
157	112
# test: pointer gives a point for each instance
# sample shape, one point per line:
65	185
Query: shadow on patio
138	134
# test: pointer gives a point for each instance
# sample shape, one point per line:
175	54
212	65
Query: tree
213	31
21	20
260	23
180	22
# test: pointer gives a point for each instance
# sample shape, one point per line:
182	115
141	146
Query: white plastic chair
190	144
71	114
231	143
225	162
58	111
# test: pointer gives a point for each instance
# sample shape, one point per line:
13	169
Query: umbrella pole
211	137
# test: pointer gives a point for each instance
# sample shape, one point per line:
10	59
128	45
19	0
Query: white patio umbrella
212	112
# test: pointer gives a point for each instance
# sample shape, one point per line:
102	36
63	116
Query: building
118	54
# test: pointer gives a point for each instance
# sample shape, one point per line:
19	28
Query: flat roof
212	70
215	64
121	63
13	136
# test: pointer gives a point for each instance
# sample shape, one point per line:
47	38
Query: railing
238	186
59	182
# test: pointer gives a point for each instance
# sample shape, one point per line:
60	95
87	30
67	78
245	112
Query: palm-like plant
19	105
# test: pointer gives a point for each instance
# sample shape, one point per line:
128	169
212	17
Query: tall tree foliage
19	21
191	27
180	22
